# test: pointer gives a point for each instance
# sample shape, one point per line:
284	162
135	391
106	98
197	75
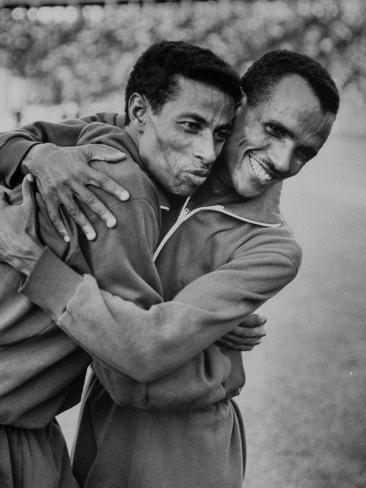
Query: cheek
259	138
173	143
296	168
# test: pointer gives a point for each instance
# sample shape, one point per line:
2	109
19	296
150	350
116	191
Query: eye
222	135
191	126
275	131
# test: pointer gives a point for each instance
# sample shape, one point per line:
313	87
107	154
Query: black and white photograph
182	244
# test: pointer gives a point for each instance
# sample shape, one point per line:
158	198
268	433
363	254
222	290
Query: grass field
304	404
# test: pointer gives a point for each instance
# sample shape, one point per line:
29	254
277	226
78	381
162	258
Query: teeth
260	173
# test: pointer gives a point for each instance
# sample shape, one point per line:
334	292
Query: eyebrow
203	121
282	127
194	116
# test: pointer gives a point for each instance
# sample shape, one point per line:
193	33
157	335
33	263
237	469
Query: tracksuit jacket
221	260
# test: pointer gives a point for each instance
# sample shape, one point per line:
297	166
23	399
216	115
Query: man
41	369
248	253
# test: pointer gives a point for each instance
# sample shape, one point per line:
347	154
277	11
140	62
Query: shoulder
97	132
278	242
128	173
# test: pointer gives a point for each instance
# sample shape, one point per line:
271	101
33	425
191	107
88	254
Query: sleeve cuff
51	284
15	150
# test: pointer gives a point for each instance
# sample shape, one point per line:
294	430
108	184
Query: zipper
186	214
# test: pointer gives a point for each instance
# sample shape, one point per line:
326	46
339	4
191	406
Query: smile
261	174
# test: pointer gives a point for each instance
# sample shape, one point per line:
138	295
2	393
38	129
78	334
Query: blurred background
304	404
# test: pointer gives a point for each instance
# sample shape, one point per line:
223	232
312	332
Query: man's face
273	140
180	143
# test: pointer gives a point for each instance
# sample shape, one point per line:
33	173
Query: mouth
197	177
260	170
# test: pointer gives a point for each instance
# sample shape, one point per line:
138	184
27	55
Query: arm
151	343
62	171
205	380
15	144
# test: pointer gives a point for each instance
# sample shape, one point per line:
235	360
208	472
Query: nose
205	149
281	156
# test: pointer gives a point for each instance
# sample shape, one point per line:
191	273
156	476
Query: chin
246	192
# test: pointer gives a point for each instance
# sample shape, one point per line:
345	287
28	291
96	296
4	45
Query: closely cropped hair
269	69
154	74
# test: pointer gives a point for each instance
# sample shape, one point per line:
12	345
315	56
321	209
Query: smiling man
281	131
239	253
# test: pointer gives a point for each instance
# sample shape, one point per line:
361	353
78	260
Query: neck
220	180
133	133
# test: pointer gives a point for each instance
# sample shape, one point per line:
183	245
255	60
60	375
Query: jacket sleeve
206	379
15	144
149	343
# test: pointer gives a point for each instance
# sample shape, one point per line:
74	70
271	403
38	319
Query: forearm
208	378
17	145
143	344
147	344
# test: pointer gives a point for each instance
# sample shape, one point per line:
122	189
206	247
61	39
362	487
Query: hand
19	245
247	335
63	174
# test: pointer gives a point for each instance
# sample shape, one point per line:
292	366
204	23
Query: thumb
101	152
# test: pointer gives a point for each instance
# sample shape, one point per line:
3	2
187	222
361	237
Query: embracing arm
122	263
62	171
146	344
16	144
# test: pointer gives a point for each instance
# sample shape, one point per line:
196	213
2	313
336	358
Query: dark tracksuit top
249	254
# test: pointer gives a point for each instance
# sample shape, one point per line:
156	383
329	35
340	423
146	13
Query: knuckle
89	198
72	210
53	218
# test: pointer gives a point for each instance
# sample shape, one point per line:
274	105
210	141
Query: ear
243	101
137	108
241	107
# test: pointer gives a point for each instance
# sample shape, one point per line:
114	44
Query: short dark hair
273	66
154	74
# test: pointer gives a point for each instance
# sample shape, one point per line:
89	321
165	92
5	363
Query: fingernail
90	236
111	222
30	177
66	238
124	196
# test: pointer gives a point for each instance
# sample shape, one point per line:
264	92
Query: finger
103	181
253	320
240	341
74	211
55	217
249	332
95	205
234	345
101	152
244	331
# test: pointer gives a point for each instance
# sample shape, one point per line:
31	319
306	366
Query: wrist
36	152
27	263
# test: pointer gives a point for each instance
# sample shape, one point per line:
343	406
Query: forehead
293	103
198	98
